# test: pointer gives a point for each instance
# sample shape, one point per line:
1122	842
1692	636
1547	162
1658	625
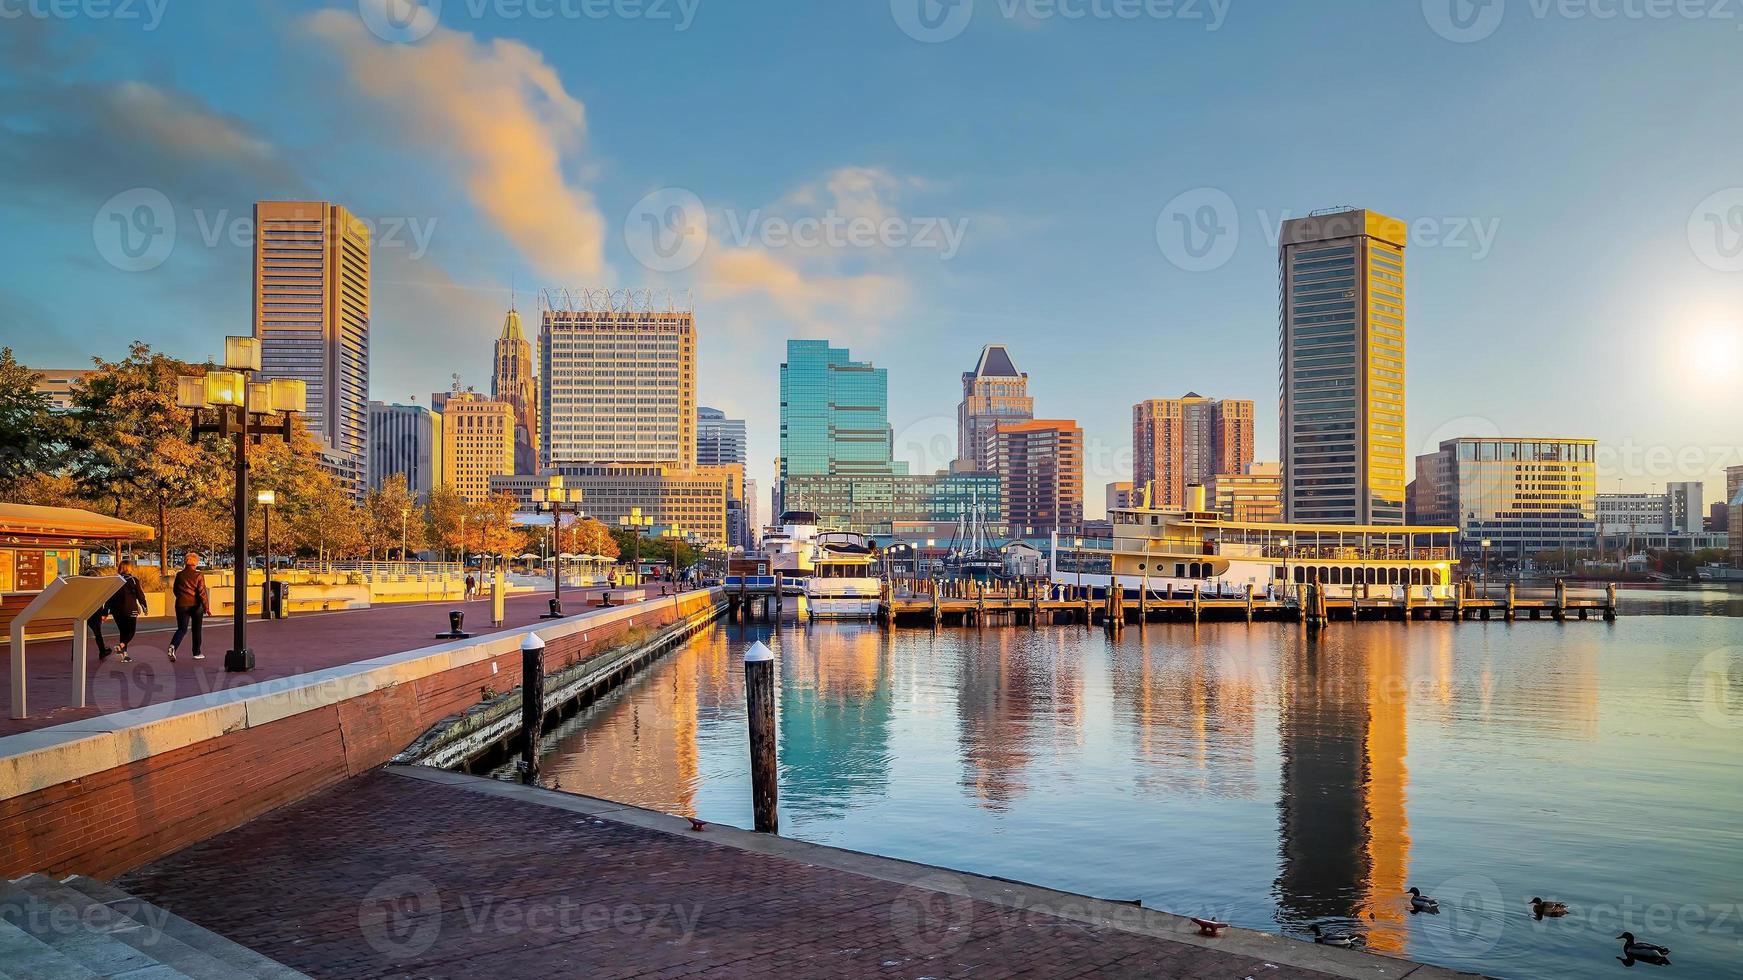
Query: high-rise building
752	514
1039	464
512	381
720	441
1524	495
835	414
995	391
1733	482
617	374
1687	507
407	440
57	384
311	313
1121	495
477	443
1719	516
1254	495
1177	442
1341	374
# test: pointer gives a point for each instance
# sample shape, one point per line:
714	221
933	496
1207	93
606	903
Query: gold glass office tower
1341	367
311	313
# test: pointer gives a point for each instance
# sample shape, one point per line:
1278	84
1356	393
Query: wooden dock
950	603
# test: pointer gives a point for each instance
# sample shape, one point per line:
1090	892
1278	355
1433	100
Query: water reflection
1017	692
1191	715
835	715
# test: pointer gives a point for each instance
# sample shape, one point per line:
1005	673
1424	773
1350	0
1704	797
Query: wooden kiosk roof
28	524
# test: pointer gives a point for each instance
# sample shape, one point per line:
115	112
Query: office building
405	440
1039	465
1525	496
1177	442
686	501
1633	513
1121	496
512	381
752	516
617	380
1686	506
873	504
57	384
835	414
995	391
720	441
1719	517
1341	368
1735	532
1254	495
477	443
1733	482
311	313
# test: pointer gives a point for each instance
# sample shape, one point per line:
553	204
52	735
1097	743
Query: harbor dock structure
409	871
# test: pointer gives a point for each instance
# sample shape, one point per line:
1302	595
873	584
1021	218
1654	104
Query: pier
966	603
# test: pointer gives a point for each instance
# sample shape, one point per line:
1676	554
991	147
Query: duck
1650	952
1422	903
1342	940
1548	910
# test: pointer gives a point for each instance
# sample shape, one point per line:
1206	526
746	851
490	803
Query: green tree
313	512
32	437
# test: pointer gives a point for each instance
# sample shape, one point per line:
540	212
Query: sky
1095	183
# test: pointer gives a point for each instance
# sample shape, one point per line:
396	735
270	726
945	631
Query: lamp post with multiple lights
552	500
635	521
228	404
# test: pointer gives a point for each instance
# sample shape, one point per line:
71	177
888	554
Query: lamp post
404	512
635	521
1486	543
550	500
1287	581
266	498
225	403
462	545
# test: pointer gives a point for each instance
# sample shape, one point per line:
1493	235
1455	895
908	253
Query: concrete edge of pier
997	891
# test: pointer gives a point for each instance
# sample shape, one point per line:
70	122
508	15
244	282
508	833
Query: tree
587	537
313	511
497	533
446	514
32	437
393	516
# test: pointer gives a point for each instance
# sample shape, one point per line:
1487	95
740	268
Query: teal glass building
835	414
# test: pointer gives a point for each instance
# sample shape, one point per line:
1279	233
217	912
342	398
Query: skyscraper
720	441
835	414
618	379
1687	506
1341	367
1177	442
512	381
477	443
405	439
995	391
1039	463
311	313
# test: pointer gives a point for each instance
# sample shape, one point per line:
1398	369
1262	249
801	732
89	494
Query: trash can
280	600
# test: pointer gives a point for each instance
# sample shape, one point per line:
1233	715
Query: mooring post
1610	603
1249	603
759	696
532	706
1560	600
1512	600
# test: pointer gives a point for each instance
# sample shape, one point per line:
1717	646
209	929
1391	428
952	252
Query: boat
1176	553
844	581
791	545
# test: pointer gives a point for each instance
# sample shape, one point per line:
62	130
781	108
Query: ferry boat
791	545
844	581
1175	553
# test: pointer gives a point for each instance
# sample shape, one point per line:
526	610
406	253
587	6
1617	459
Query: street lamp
1486	543
635	522
226	403
404	512
1287	581
266	498
550	500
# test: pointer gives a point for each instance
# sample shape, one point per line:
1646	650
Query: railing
375	569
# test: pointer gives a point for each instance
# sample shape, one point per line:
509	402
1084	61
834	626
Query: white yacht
844	582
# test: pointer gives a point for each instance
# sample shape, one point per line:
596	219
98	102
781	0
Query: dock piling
532	706
759	696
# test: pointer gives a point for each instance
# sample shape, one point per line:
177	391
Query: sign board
73	598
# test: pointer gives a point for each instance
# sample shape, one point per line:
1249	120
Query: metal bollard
456	620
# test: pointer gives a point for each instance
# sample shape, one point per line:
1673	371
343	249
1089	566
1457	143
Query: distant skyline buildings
477	443
512	381
1524	495
1341	367
1039	465
1177	442
405	440
995	391
720	441
617	374
312	316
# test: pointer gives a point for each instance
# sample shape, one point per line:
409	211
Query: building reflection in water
1190	711
1019	691
1344	829
836	713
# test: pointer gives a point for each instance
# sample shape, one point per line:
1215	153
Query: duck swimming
1343	940
1548	910
1649	952
1422	903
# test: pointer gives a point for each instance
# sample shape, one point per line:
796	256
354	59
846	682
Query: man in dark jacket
125	607
193	602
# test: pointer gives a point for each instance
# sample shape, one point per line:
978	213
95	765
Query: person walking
193	602
471	585
95	625
125	608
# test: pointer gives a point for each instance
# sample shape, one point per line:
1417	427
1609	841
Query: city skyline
1508	275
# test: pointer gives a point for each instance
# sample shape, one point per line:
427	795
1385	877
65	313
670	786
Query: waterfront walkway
410	872
282	648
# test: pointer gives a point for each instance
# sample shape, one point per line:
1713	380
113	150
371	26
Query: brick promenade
282	648
393	875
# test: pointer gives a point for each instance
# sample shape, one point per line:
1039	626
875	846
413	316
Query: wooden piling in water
759	696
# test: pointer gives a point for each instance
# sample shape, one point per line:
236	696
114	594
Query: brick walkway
282	648
396	876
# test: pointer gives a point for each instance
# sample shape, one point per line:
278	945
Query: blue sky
1014	176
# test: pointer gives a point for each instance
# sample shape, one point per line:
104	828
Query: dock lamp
552	499
1486	544
228	403
1287	581
635	521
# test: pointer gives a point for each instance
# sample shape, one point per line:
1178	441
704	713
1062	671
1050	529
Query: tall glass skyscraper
835	414
1341	372
720	441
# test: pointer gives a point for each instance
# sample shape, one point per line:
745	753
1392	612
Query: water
1249	772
